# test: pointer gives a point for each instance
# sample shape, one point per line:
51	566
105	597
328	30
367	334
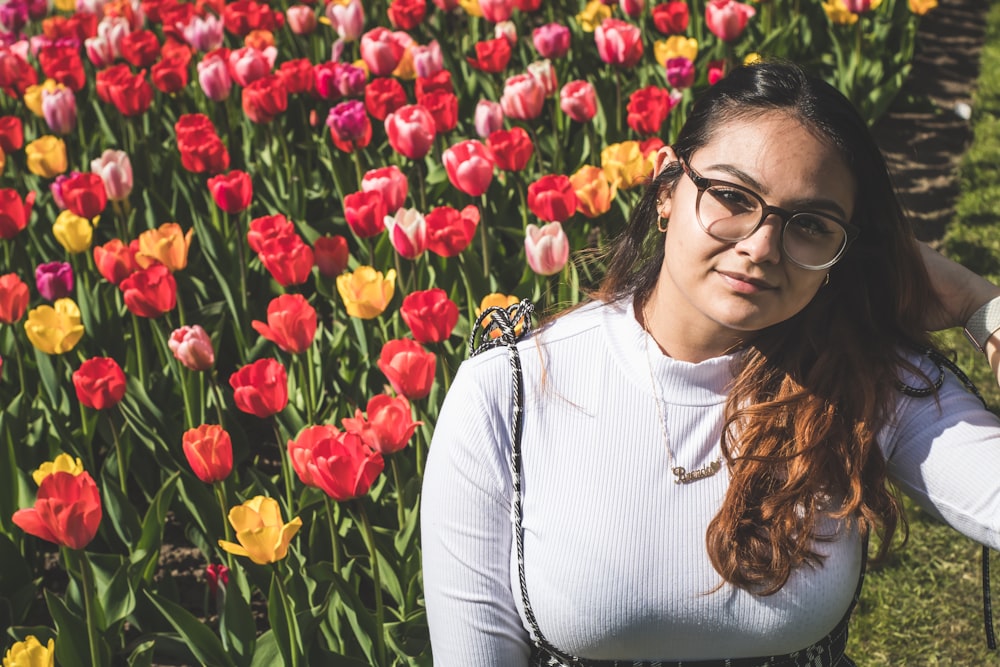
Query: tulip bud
192	347
488	118
209	451
546	247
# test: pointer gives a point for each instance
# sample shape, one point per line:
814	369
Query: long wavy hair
810	393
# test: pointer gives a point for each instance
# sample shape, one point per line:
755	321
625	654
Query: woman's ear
665	156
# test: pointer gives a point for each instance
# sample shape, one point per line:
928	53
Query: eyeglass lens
731	214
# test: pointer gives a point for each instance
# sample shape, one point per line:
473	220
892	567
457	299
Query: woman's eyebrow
821	204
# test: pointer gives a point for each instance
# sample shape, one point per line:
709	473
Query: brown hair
810	393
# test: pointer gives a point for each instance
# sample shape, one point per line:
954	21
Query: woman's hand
960	291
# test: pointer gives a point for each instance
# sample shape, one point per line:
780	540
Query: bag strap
943	362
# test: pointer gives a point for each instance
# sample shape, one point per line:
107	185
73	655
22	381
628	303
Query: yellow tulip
501	301
73	232
46	156
921	7
62	463
263	536
54	329
593	15
838	13
752	58
624	165
594	193
471	7
675	46
66	5
166	244
30	653
366	293
405	70
33	95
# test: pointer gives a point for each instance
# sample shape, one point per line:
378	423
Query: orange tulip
593	191
67	510
166	244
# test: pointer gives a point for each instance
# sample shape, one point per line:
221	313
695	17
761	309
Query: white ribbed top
615	554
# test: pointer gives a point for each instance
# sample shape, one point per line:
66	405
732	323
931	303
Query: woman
706	445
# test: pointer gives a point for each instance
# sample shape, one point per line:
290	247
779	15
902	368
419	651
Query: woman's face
720	291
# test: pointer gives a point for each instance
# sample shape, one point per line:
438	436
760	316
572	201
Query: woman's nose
764	245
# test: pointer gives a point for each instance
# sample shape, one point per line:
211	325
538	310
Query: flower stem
87	583
483	241
366	524
293	638
334	538
400	509
286	470
118	455
220	493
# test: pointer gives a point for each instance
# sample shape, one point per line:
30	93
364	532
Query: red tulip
408	367
618	43
291	323
578	100
647	109
430	314
450	232
99	383
232	192
288	259
523	97
439	82
131	94
150	292
331	255
671	18
11	134
209	451
365	213
492	55
511	148
552	198
411	131
727	19
192	347
407	14
469	165
381	51
338	463
260	388
84	194
265	99
63	64
268	227
383	96
140	48
390	182
389	425
14	298
244	16
443	107
14	212
171	75
67	510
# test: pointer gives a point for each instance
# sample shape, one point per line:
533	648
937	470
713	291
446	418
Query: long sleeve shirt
615	557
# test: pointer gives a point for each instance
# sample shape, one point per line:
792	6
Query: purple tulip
349	120
54	280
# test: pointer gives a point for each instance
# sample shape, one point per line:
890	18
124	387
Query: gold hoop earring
661	224
826	280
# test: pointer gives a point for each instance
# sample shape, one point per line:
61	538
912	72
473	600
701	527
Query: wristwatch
983	323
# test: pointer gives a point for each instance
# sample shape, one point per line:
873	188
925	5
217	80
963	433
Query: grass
924	606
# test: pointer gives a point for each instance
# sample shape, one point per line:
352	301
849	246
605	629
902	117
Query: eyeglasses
728	212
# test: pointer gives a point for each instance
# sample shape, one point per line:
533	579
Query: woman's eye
812	225
733	199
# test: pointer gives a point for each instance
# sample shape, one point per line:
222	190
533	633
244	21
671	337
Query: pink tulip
115	169
523	97
497	10
488	118
858	6
301	19
214	79
390	182
381	51
680	72
545	73
427	60
348	20
113	29
249	64
727	18
469	165
192	347
507	30
100	51
411	130
204	33
407	232
59	109
546	248
618	43
632	8
551	40
578	100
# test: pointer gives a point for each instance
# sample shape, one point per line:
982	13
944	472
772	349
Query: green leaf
16	585
205	645
267	653
147	551
72	645
116	595
142	656
285	627
119	510
236	624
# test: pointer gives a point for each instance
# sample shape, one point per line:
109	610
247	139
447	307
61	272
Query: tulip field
243	246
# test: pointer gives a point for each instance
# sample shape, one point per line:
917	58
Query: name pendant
685	477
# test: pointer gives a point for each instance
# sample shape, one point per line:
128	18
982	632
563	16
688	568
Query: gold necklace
681	473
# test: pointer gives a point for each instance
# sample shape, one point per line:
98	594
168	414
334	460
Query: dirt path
923	136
